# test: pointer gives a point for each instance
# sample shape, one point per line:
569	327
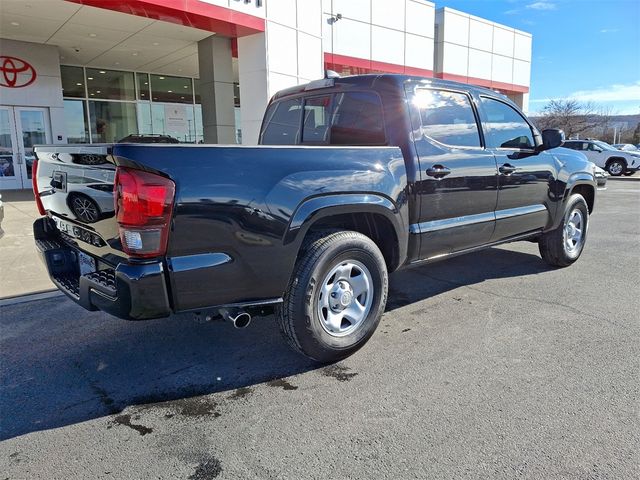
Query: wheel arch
373	215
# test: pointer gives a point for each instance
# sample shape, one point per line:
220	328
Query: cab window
504	126
317	113
357	119
447	117
282	123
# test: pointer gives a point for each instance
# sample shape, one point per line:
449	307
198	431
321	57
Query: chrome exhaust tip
239	318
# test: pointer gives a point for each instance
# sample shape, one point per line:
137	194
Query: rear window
317	112
350	118
357	120
282	123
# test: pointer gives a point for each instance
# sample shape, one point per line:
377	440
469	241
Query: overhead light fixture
155	44
161	78
93	35
102	71
117	63
89	78
92	94
146	83
170	91
79	84
186	86
98	91
15	24
135	54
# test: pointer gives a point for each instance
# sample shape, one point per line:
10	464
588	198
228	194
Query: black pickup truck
355	177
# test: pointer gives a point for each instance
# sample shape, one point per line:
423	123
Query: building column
216	89
288	53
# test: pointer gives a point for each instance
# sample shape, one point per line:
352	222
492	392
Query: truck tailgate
75	186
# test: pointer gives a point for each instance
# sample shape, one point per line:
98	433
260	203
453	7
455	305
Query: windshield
605	146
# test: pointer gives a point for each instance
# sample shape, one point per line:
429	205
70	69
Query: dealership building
95	71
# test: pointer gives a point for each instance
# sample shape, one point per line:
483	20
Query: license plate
86	263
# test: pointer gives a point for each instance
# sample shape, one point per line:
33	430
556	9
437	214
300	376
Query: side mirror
552	138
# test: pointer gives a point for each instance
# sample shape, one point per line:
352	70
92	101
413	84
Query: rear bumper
132	292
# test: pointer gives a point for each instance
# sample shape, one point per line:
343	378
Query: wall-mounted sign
175	120
16	73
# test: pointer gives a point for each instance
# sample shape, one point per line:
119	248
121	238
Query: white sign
175	120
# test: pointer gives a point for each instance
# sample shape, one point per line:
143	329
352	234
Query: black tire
301	318
616	167
553	245
628	173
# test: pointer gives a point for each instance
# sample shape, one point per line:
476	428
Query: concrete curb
4	302
625	179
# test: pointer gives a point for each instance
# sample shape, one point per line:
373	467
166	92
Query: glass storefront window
111	121
144	118
75	121
198	122
110	84
174	120
72	81
196	90
171	89
143	86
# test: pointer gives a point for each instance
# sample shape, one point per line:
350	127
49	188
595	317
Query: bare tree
573	116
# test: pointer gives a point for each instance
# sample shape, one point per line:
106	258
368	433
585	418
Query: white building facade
90	71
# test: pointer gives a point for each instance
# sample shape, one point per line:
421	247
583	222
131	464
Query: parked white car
616	162
628	147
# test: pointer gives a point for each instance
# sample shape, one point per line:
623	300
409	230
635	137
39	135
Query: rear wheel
616	167
563	246
336	296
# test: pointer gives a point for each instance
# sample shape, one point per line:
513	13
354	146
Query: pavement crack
103	396
514	297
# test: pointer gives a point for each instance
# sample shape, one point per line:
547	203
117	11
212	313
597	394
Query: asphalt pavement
490	365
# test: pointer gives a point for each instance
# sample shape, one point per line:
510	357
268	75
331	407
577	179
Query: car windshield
605	146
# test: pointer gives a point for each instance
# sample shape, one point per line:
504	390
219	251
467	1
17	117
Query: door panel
457	187
525	177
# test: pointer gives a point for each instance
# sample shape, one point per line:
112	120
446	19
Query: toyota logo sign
16	73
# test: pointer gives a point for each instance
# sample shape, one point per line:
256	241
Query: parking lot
490	365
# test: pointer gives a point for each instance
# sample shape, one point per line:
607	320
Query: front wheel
563	246
616	167
336	296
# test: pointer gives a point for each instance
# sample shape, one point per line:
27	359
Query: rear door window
282	123
447	117
505	127
357	119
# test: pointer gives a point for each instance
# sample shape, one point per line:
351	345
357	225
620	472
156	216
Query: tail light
143	204
34	184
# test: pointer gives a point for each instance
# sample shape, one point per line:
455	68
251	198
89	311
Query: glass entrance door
20	129
9	176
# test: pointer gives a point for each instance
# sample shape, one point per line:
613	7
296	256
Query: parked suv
616	162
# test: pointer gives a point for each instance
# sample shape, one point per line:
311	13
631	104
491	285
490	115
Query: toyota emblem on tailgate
16	73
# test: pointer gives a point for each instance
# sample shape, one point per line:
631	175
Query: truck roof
377	80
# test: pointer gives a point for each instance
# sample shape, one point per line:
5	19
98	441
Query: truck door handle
438	171
507	168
